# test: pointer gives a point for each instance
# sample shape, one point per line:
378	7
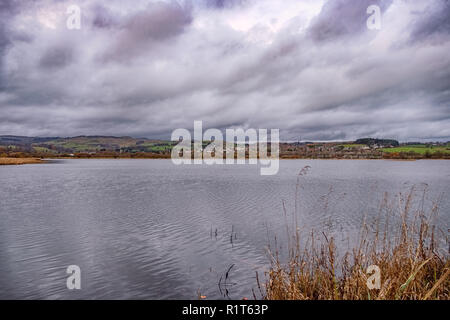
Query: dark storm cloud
310	68
159	21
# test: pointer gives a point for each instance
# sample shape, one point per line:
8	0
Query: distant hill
19	140
85	144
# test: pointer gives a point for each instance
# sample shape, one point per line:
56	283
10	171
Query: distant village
365	149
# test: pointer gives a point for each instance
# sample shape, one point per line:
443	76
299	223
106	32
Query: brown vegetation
17	161
405	245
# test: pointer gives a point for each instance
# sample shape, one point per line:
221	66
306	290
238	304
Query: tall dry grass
405	243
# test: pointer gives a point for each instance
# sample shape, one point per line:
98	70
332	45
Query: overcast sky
308	67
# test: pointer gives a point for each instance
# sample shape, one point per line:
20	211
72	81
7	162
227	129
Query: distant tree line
381	142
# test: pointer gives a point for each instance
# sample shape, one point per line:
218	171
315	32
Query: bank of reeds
410	251
18	161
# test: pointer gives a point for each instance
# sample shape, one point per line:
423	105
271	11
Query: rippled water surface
150	229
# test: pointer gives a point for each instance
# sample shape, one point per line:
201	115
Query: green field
420	149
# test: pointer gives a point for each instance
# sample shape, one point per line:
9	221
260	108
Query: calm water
149	229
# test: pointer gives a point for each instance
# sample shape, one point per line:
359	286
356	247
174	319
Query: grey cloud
224	3
8	8
434	22
170	64
103	18
341	18
57	57
159	21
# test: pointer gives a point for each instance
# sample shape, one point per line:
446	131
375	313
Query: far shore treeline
128	147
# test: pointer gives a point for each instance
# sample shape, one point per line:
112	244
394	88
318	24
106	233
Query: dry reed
404	242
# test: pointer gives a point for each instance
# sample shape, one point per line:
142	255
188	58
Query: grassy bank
404	243
422	150
19	161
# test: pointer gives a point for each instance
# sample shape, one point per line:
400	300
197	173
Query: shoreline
281	158
24	161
